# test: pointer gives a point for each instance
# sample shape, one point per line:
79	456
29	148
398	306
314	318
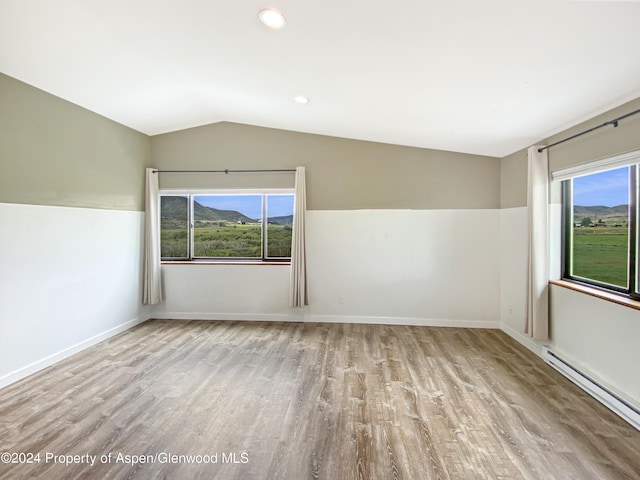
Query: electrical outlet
341	300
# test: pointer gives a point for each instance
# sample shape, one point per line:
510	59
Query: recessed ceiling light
272	18
301	99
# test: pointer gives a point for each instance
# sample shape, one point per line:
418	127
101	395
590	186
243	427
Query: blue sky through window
249	205
610	188
279	205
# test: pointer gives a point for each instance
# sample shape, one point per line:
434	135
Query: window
251	226
599	216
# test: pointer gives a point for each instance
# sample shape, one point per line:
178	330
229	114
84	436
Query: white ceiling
484	77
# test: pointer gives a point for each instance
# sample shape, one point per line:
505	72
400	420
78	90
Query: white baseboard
523	339
34	367
606	395
303	316
590	383
409	321
247	317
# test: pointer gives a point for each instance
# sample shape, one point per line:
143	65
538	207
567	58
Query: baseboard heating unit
614	402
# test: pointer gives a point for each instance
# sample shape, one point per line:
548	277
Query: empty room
303	240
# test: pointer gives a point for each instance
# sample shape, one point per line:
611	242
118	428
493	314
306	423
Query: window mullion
264	228
633	231
191	228
567	228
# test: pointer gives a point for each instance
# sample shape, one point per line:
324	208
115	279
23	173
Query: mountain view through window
226	226
599	245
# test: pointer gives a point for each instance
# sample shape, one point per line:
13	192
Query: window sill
221	262
596	292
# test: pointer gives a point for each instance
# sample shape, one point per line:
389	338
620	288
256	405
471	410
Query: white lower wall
69	277
438	266
599	337
435	267
225	292
513	276
513	268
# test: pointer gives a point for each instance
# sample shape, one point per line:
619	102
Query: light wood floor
304	401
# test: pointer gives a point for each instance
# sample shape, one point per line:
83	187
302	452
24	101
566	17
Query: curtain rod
613	122
226	171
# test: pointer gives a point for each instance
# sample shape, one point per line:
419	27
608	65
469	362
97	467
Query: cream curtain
298	296
537	321
152	284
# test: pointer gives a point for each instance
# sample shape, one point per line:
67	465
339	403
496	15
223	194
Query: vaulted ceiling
486	77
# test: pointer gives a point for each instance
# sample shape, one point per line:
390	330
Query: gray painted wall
605	142
342	174
602	143
513	180
53	152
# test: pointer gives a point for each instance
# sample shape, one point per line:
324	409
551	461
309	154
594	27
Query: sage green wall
53	152
342	174
513	180
601	143
604	142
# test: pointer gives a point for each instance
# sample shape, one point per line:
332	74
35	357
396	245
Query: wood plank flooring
310	401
